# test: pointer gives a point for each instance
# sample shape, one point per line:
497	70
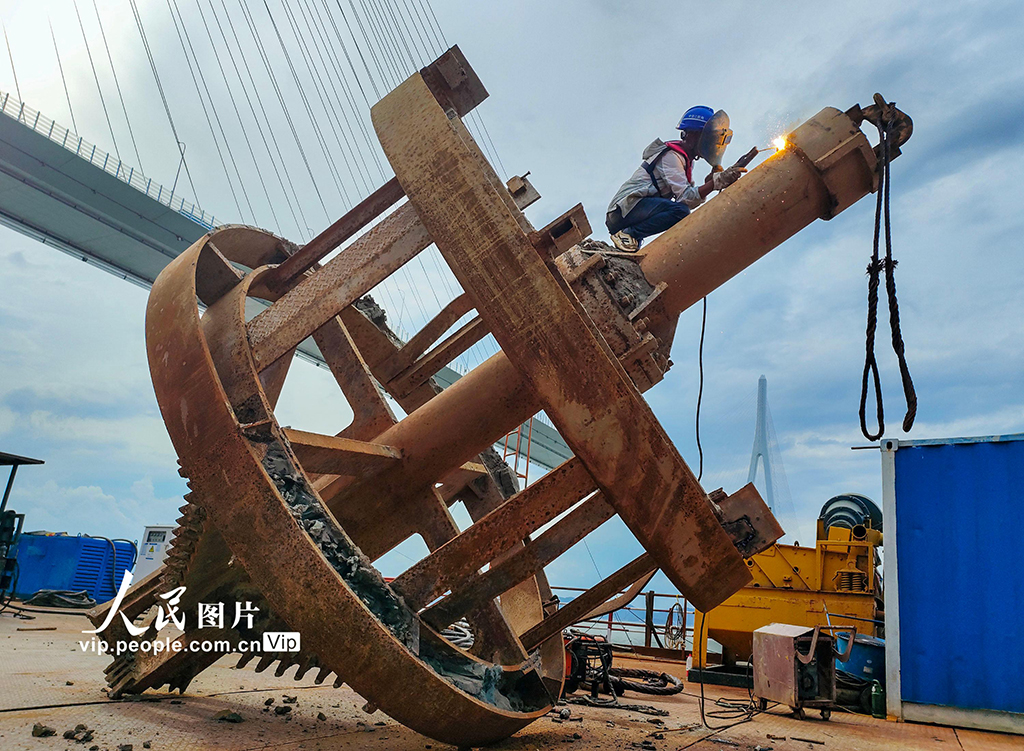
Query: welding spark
779	143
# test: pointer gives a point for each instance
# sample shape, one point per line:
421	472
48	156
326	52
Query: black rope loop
874	270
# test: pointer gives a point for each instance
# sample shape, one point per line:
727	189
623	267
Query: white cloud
90	509
577	90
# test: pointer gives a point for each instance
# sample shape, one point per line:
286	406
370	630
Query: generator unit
72	563
796	666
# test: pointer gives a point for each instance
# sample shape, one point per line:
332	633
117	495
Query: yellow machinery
836	583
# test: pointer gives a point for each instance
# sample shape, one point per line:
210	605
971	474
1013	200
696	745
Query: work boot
625	242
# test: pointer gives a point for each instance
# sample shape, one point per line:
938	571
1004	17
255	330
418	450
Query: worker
661	191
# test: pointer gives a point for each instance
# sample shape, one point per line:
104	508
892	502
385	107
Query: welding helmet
695	118
714	138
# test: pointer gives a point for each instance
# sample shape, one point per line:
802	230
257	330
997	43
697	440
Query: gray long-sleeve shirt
671	173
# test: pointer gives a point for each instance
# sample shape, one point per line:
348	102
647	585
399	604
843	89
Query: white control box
152	550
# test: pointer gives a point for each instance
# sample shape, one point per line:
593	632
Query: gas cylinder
877	700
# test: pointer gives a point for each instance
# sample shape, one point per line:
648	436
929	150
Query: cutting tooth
123	673
304	667
182	683
117	671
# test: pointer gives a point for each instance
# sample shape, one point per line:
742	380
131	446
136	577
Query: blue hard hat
695	118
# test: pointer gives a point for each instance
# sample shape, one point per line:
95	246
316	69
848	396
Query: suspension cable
441	41
419	32
206	112
95	78
403	272
160	88
383	44
377	33
397	32
62	78
322	94
341	77
332	168
316	31
216	114
234	106
284	107
10	55
117	85
418	58
256	112
344	49
380	70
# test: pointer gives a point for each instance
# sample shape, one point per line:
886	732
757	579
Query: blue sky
577	90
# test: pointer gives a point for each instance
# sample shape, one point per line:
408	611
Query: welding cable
674	632
730	710
700	389
875	268
113	561
5	599
651	681
61	598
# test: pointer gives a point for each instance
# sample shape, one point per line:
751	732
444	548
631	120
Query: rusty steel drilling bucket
292	521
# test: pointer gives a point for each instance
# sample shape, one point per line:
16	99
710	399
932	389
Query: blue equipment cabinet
73	563
954	584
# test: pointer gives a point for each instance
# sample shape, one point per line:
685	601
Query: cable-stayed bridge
73	195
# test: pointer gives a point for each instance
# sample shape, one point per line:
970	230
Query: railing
78	146
642	626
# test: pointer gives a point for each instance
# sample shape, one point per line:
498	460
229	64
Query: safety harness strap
670	146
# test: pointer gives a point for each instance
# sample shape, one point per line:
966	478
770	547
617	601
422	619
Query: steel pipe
827	166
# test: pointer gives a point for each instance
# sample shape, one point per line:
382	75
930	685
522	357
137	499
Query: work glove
725	178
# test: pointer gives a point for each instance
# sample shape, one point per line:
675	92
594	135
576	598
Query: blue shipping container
73	563
954	585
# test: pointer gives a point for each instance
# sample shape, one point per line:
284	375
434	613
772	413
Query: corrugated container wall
954	581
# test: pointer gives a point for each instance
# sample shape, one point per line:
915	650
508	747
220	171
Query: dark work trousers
653	215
